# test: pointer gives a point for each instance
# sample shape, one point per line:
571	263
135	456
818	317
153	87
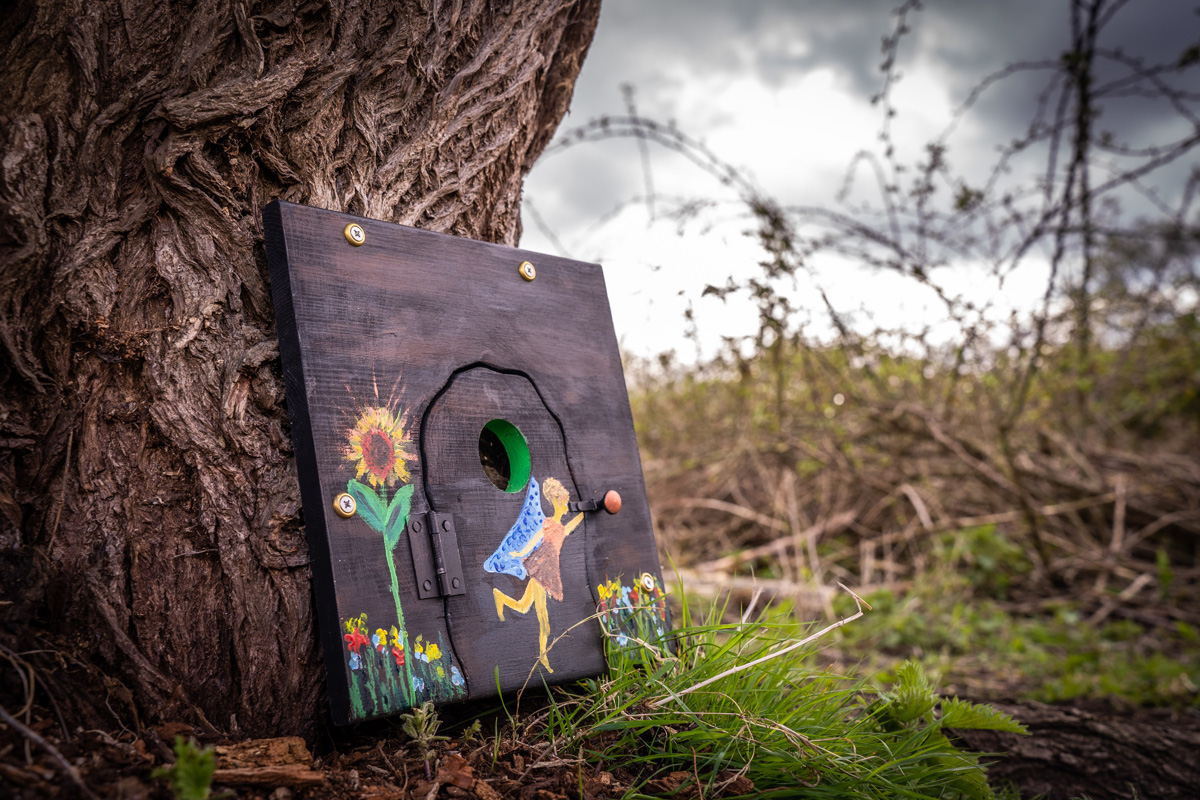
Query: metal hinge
434	545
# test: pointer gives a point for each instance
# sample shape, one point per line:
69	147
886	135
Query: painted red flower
633	596
355	640
398	654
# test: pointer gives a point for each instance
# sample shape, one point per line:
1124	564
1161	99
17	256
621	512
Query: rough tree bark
150	530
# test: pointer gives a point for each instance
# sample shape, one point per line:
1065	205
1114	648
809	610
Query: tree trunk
150	530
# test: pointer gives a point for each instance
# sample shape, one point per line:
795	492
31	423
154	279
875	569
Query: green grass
789	726
1054	658
956	623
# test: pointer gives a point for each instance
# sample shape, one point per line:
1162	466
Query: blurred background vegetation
1019	499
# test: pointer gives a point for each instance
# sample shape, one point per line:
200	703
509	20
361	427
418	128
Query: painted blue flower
622	640
455	676
375	640
418	684
355	661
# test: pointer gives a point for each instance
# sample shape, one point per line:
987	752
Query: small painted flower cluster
637	612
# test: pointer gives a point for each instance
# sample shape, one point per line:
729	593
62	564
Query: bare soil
1095	752
1071	752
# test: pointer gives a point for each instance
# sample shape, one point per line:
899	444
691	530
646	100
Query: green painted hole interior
504	454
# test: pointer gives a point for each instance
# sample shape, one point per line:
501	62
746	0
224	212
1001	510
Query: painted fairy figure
531	548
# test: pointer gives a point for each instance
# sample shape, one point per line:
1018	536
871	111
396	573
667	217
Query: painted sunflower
377	443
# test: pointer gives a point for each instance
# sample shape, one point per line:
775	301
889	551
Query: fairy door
459	417
496	461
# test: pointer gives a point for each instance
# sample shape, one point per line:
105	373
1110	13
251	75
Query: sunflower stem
390	546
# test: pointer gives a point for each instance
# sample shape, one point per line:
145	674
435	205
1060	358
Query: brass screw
344	506
527	271
354	233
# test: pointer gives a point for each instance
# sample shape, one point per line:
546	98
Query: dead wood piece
972	454
712	583
832	525
282	751
1054	509
1140	501
729	508
294	776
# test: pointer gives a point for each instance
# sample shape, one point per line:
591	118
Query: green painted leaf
370	505
397	510
397	516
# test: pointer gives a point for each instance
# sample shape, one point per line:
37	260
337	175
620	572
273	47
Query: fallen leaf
454	771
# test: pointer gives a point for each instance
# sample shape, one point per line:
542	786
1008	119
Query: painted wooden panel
405	357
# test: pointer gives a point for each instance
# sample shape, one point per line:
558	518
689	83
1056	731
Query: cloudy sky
782	91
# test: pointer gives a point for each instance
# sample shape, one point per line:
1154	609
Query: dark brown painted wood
446	332
456	483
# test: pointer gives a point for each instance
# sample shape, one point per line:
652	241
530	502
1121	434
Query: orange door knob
612	502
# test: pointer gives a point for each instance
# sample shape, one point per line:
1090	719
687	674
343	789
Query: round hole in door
504	454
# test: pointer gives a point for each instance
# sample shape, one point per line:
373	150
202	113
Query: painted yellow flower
377	443
396	638
383	637
433	651
441	672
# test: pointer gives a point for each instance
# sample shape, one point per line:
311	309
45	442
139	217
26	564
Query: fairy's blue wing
527	526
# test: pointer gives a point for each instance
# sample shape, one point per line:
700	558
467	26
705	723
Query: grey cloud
657	46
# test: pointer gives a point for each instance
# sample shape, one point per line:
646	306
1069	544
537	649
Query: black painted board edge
319	558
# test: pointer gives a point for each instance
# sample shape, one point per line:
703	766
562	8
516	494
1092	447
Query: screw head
445	524
527	270
428	585
456	583
354	233
344	505
416	526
